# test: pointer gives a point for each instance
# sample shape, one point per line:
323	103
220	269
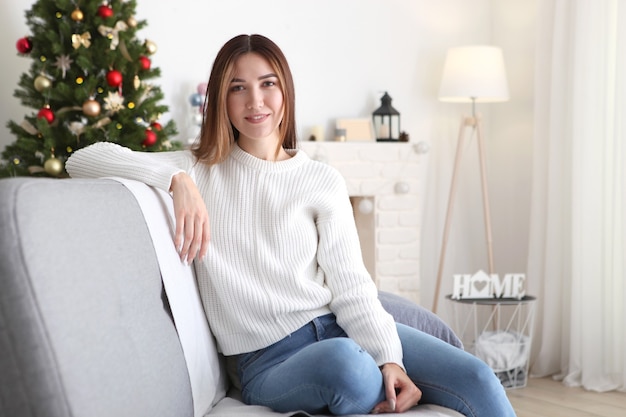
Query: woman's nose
255	99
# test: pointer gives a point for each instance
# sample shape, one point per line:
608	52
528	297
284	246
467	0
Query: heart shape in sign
480	284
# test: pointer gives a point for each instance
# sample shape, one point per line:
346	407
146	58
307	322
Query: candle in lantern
383	131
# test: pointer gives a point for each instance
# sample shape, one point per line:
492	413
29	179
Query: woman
282	281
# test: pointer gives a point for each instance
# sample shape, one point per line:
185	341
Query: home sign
483	285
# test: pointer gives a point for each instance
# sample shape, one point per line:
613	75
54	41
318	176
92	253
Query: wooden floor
544	397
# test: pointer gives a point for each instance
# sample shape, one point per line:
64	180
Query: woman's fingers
401	393
196	238
192	237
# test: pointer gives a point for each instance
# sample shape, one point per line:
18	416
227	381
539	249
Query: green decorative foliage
88	82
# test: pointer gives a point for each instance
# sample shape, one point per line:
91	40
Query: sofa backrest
85	327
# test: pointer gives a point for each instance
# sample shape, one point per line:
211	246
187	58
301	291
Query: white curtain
578	217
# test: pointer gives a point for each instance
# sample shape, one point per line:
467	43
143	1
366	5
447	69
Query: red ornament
150	139
46	113
145	63
114	78
24	45
105	11
156	126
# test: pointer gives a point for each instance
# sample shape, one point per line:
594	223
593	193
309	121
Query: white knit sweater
284	247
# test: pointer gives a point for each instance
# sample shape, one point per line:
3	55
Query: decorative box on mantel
385	183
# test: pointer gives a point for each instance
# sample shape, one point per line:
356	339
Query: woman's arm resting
192	219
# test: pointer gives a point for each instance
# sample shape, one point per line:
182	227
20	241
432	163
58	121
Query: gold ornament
42	83
77	15
151	47
53	166
132	22
91	108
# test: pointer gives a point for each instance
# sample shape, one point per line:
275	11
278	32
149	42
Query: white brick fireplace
385	182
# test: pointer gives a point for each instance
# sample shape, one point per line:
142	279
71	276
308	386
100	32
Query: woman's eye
236	88
269	83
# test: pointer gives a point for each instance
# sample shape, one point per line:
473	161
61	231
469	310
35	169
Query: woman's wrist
177	179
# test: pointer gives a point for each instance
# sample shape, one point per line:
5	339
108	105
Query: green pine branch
73	50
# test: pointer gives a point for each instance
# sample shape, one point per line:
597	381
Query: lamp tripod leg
483	178
453	186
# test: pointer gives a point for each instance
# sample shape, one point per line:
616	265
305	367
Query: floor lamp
471	74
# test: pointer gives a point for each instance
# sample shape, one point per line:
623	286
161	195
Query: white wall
344	54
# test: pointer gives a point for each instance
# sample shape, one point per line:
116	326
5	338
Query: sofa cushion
85	328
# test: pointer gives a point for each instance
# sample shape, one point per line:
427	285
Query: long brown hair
217	134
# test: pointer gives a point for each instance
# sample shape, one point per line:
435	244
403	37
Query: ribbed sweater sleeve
355	297
106	159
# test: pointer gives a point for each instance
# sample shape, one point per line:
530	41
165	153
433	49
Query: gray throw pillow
411	314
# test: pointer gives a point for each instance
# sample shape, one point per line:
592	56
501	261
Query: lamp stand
473	123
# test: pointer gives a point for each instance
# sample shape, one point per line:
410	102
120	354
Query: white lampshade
474	73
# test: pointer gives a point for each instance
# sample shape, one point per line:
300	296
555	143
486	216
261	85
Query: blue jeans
318	369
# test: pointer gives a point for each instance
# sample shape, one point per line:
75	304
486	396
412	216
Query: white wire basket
499	332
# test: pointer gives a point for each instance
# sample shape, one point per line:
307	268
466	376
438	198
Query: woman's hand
192	219
401	392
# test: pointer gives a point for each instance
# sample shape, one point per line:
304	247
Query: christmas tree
87	83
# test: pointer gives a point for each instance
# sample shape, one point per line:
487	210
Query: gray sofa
86	328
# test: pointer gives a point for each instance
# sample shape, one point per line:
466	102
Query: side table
499	332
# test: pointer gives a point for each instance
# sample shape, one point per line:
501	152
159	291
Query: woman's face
255	100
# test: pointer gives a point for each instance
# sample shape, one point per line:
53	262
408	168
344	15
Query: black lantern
386	121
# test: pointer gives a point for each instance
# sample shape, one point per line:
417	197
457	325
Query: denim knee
334	375
347	362
352	374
